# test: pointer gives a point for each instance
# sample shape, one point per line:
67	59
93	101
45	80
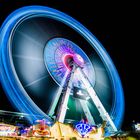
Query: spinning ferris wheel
67	62
52	67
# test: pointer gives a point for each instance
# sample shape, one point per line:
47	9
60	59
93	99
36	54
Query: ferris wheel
52	67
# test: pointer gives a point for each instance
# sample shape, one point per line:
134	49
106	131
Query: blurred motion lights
38	47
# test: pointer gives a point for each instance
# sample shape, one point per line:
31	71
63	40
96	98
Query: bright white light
63	107
80	93
87	98
105	116
80	58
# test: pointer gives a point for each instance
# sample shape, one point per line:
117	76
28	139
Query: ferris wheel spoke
35	81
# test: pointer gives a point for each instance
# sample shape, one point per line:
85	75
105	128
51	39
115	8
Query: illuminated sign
6	130
83	128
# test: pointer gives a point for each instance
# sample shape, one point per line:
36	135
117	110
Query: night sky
115	25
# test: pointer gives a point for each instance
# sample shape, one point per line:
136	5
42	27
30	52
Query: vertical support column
57	96
87	111
63	106
103	113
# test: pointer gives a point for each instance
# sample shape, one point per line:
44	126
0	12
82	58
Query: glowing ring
57	66
10	82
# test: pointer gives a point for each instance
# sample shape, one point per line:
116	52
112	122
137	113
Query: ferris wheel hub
70	59
79	60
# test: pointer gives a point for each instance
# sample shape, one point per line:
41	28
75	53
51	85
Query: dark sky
116	26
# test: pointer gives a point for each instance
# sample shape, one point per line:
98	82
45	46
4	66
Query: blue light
12	86
83	128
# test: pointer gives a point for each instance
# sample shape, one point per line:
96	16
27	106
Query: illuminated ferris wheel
70	66
52	67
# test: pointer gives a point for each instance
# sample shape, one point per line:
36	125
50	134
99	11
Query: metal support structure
103	113
61	113
87	112
63	106
58	94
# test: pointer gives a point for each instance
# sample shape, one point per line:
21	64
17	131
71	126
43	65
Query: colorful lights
79	60
7	130
11	82
83	128
59	55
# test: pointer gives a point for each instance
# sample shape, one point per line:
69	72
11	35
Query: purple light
59	56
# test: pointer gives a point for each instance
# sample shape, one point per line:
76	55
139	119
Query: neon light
6	130
10	81
83	128
58	54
